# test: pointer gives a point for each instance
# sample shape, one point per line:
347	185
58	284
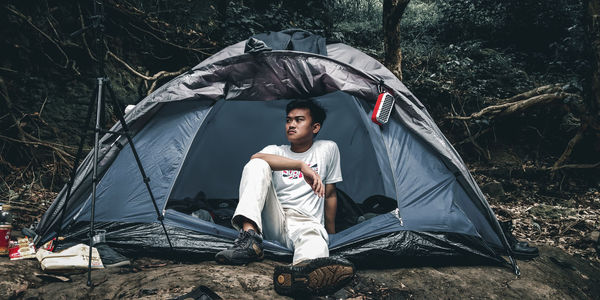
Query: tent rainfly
195	133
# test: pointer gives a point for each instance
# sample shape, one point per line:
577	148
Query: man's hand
313	179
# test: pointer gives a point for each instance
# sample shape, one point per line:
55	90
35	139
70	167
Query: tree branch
546	89
20	15
156	76
61	153
570	147
514	107
87	47
169	43
9	107
577	166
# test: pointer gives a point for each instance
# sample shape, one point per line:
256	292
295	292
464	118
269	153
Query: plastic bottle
5	228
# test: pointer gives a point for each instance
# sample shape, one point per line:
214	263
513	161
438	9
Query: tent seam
392	168
189	146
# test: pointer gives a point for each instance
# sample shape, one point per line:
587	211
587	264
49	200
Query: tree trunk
592	96
392	13
590	118
593	29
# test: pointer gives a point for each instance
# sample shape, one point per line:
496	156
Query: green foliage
461	56
421	19
241	21
358	23
466	74
354	12
526	24
488	49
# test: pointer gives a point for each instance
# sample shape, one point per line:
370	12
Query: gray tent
195	133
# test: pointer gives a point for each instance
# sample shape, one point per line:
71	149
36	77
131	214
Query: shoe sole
321	276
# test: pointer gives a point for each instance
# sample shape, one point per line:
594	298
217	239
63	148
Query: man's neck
299	148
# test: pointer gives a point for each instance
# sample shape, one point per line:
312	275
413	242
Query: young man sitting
287	194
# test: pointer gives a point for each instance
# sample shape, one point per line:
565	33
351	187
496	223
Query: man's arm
280	163
330	207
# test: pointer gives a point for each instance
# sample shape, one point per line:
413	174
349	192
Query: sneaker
111	258
521	250
248	247
318	277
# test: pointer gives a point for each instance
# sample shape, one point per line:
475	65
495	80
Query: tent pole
63	208
146	179
97	129
102	82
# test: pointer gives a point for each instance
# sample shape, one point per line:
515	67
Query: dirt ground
553	275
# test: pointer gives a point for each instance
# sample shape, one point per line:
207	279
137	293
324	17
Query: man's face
299	127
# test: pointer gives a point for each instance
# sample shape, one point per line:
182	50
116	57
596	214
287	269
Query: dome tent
195	133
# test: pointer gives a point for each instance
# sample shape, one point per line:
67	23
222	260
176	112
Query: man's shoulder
328	144
273	149
274	146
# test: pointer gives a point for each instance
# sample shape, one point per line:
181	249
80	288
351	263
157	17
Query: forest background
534	151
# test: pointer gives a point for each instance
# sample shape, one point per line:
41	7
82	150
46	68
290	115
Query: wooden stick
472	140
87	47
546	89
9	107
577	166
524	104
570	146
169	43
22	16
156	76
514	107
477	135
525	172
39	143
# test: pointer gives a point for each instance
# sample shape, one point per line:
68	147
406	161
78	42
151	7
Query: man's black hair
317	112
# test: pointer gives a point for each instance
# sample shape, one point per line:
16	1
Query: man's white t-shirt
292	190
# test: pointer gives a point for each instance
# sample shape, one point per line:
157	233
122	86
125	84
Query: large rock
494	189
541	278
594	236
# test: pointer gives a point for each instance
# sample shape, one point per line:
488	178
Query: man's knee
258	165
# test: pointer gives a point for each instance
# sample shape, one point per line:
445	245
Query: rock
493	189
593	237
539	289
551	212
555	275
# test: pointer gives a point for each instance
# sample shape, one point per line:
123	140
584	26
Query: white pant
258	202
